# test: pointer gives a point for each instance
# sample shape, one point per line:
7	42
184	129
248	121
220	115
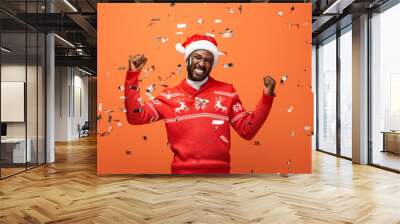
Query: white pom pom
180	48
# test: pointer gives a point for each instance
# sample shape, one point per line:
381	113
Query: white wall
71	93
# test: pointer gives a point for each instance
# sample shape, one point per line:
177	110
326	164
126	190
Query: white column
360	90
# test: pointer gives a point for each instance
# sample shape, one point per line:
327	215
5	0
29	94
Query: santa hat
199	42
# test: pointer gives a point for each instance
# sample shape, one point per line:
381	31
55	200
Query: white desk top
13	140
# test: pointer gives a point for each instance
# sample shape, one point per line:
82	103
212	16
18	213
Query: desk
13	150
391	141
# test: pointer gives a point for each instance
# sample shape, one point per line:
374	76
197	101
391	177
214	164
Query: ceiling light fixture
5	50
64	40
84	71
70	5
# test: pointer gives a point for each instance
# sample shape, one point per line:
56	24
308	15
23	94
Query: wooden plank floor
69	191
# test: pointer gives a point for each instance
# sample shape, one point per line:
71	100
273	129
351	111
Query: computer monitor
3	129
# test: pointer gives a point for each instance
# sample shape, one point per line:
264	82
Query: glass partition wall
22	79
334	94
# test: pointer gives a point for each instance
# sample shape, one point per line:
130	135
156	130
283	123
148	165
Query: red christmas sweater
197	121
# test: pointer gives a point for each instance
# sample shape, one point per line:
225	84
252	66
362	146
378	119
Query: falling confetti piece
122	97
98	117
210	34
164	85
144	137
290	109
240	9
107	132
181	26
257	143
292	133
119	124
122	68
108	111
307	128
228	33
179	69
100	107
231	10
294	25
224	139
200	21
122	110
228	65
179	33
149	69
154	19
217	122
150	89
121	88
217	21
280	13
110	119
284	78
162	39
128	152
137	110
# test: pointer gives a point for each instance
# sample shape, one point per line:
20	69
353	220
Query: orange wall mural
257	39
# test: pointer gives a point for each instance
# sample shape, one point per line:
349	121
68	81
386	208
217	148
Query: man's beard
197	77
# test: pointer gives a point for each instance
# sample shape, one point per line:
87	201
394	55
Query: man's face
199	64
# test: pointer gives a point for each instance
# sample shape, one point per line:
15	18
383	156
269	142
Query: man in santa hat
199	111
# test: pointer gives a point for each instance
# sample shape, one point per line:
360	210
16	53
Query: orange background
272	39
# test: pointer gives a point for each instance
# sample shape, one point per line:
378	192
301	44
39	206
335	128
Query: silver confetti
154	19
121	88
150	89
294	25
200	21
179	69
210	34
307	128
149	69
228	65
119	124
162	39
179	33
280	13
228	33
290	109
231	10
122	97
181	26
123	110
284	78
217	21
100	107
224	139
107	132
122	68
